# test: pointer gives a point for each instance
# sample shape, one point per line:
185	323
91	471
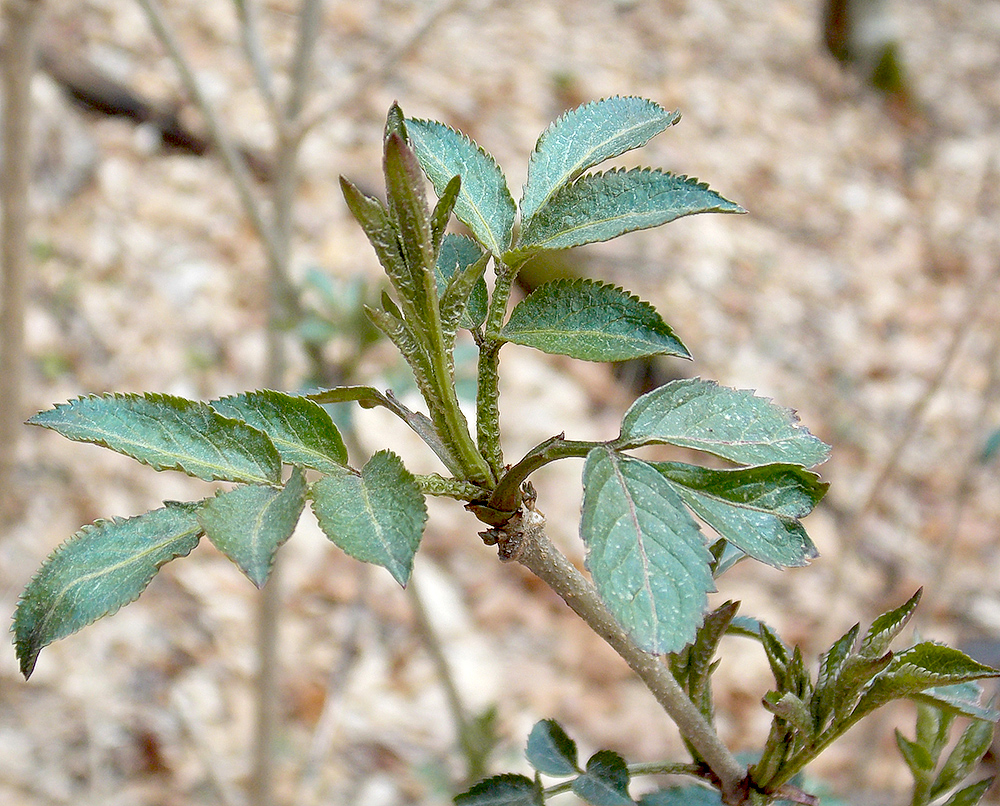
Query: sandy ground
862	290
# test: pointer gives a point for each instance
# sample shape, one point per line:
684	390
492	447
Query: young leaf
970	795
585	137
731	423
101	568
645	553
599	207
916	757
404	184
463	300
776	652
756	508
376	516
701	653
790	708
605	781
169	433
442	211
249	524
301	430
962	699
550	750
484	203
886	627
377	226
503	790
831	664
971	747
592	321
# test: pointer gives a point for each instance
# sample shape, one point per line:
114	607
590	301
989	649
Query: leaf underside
731	423
169	433
100	569
645	552
550	750
592	321
376	516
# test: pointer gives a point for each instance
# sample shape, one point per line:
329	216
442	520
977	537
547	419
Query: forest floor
863	289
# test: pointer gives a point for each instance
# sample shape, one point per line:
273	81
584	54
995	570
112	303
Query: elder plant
651	566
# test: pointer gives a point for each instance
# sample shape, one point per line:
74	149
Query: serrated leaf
503	790
605	780
756	508
100	569
585	137
550	750
887	626
645	553
831	664
916	757
923	666
702	652
484	202
442	211
934	723
731	423
376	516
374	219
968	751
592	321
970	795
404	184
250	523
169	433
462	257
776	652
602	206
789	707
301	430
962	699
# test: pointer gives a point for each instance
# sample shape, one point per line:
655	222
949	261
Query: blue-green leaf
302	431
250	523
585	137
645	552
961	699
731	423
100	569
592	321
755	508
602	206
484	203
605	781
550	750
682	796
503	790
463	257
376	516
169	433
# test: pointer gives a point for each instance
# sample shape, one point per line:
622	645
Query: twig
253	46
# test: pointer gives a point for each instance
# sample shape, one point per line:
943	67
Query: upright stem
528	544
21	23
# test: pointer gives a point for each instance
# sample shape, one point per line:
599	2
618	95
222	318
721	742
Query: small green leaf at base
376	516
503	790
249	524
605	781
645	552
591	321
169	433
550	750
970	795
100	569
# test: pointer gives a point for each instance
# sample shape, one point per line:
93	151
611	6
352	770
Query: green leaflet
404	186
605	780
599	207
457	255
302	431
887	626
101	568
484	203
249	524
169	433
731	423
503	790
585	137
592	321
756	508
645	553
376	516
961	699
550	750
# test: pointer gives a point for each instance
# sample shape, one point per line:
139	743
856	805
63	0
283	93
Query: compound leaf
103	567
605	781
463	301
731	423
550	750
645	552
592	321
755	508
484	202
376	516
585	137
301	430
169	433
602	206
249	524
503	790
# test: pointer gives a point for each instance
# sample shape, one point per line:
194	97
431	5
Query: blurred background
863	289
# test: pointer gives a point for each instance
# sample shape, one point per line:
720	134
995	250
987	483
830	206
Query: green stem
634	770
488	389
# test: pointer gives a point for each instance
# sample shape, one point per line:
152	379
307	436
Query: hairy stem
526	542
488	389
